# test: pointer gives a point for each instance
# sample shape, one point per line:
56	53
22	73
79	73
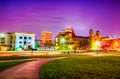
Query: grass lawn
82	67
4	65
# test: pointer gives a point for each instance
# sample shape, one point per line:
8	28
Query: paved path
28	70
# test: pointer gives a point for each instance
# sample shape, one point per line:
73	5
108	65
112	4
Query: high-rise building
46	36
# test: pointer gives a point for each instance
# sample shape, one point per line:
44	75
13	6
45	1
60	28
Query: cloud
54	17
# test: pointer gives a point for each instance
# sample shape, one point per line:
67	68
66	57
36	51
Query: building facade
46	36
46	39
67	40
4	41
94	39
19	40
108	43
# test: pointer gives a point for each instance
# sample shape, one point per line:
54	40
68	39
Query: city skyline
55	15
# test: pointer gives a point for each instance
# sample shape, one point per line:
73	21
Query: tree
49	44
84	44
36	44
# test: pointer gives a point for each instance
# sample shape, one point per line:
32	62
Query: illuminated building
67	40
19	40
46	36
4	41
108	43
94	38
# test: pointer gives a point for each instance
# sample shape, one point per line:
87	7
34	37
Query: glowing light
56	47
92	46
62	40
2	35
70	47
97	44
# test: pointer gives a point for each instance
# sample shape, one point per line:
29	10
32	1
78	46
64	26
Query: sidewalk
28	70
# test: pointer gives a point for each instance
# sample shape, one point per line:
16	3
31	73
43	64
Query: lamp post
97	44
31	48
62	41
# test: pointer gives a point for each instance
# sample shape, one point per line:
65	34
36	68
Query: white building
4	41
18	40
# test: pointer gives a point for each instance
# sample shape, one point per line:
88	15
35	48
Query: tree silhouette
84	44
36	44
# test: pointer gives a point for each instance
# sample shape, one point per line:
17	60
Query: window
24	42
2	38
29	46
20	37
20	42
20	46
67	38
25	37
29	42
29	37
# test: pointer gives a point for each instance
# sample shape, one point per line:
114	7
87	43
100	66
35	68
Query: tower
91	35
91	38
98	35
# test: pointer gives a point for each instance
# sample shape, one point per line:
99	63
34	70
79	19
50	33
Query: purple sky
55	15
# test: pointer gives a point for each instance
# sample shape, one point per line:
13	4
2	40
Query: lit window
56	39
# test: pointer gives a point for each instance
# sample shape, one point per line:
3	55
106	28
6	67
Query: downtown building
4	41
68	40
94	39
46	36
46	40
17	41
110	43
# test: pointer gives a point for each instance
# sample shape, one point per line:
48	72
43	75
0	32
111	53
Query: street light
62	41
97	45
31	48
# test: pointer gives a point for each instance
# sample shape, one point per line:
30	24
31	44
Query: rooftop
80	37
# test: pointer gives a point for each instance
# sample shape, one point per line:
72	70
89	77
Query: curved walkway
28	70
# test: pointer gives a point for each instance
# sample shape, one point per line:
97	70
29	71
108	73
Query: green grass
82	67
5	65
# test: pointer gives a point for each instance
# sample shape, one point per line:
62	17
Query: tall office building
46	36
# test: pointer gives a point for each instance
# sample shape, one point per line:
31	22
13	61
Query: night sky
55	15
